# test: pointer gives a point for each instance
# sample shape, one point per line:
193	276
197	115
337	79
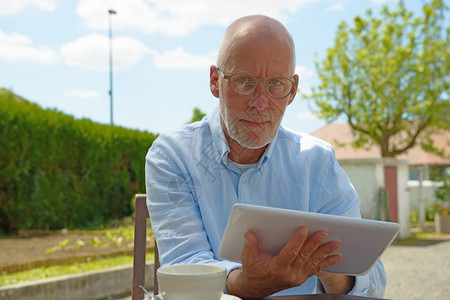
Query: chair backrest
140	240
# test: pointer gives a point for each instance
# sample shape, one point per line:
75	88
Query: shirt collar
265	158
218	136
221	143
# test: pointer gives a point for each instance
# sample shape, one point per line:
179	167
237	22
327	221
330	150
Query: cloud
92	52
83	94
336	7
380	1
18	47
303	72
305	115
11	7
305	89
178	17
180	59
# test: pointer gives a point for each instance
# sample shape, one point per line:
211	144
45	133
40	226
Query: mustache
255	117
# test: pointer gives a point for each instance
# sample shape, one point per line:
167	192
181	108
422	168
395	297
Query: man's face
253	120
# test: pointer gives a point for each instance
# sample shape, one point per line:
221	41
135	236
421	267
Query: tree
197	115
389	78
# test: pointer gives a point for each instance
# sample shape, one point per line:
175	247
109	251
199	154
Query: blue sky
56	53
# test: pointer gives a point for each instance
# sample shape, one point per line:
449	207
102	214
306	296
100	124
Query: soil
23	253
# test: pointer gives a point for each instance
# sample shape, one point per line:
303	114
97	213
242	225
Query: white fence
428	189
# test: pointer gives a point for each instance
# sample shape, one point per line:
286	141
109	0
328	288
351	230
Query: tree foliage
197	115
388	76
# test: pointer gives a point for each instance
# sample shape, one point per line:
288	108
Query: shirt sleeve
175	216
372	284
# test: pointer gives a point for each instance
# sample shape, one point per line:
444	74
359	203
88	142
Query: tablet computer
363	241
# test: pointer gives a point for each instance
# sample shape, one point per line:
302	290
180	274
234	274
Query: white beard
247	137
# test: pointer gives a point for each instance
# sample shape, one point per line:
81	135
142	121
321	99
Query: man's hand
302	257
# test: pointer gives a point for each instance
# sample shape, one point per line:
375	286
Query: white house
382	184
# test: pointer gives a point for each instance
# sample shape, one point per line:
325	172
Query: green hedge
58	172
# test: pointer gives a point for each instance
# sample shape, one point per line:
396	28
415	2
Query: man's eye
274	82
246	79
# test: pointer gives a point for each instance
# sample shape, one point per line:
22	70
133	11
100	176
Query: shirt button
244	179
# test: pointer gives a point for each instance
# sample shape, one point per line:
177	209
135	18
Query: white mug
191	282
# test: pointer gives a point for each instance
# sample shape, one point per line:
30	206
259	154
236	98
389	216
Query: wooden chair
140	239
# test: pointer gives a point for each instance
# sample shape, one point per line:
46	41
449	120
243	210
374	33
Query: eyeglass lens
244	84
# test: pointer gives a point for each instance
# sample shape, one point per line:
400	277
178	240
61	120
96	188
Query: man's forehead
256	27
255	39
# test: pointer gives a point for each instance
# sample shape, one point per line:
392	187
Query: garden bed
63	247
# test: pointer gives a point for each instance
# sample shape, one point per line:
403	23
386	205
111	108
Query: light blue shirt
192	185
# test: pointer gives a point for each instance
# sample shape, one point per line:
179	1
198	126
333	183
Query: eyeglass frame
228	77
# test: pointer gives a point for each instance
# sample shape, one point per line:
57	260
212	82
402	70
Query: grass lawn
75	268
422	238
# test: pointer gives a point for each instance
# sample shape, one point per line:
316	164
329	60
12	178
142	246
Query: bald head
258	31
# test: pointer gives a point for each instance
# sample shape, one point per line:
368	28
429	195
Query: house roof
340	136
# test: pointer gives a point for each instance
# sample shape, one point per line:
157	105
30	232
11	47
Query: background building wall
367	176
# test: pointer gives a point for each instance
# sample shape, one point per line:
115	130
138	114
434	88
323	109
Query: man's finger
291	250
251	246
329	261
310	246
323	257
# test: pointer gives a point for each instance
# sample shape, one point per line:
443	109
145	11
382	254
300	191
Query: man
242	154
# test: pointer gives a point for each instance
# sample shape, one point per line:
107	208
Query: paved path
418	272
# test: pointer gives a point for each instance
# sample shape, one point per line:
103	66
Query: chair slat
140	240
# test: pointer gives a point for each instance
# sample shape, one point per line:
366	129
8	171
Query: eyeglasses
277	87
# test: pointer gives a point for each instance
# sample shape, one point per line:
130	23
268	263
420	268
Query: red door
390	183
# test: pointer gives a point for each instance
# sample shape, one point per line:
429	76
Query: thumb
251	245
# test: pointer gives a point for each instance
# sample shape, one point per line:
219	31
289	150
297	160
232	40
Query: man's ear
294	90
214	81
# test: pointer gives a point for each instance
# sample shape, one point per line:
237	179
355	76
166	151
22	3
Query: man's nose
260	99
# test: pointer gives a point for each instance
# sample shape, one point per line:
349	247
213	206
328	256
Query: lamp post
111	12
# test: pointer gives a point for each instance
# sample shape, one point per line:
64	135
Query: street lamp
111	12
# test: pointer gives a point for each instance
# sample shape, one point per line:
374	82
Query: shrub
57	172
